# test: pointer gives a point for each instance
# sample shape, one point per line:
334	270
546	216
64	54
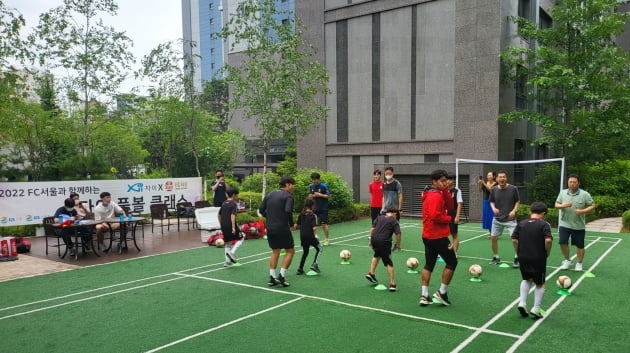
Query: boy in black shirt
229	228
385	226
307	222
532	238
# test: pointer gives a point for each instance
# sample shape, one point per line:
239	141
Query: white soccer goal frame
531	161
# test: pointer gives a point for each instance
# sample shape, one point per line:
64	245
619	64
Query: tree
276	83
72	36
214	99
578	80
184	128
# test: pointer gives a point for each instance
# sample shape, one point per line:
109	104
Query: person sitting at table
66	211
106	208
83	210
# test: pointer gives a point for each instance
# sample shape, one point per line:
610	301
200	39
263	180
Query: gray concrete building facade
415	84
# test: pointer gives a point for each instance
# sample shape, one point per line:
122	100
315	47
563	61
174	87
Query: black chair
159	212
54	234
185	211
202	204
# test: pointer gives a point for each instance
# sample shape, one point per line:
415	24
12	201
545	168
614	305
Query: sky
147	22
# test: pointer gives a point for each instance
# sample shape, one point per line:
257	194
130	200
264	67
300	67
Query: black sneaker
282	281
495	260
370	277
315	268
523	311
443	298
424	301
273	281
299	272
516	264
393	287
535	313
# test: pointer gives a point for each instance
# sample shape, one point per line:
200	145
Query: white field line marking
530	330
394	313
223	325
504	311
89	298
266	253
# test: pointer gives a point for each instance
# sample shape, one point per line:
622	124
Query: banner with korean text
29	203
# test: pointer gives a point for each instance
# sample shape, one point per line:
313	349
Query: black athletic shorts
383	249
280	238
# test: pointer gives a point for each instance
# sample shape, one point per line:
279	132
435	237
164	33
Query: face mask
105	204
69	209
389	177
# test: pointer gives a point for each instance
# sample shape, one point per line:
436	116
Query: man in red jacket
436	200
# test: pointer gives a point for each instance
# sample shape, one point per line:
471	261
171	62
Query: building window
210	6
521	91
431	158
285	22
285	0
212	66
545	20
211	51
524	9
211	20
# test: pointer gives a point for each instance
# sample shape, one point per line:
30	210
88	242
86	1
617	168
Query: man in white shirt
106	208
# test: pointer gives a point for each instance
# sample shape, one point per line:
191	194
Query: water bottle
129	217
122	217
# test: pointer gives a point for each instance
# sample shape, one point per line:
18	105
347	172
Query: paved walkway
606	225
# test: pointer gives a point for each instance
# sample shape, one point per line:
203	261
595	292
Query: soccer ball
253	231
475	270
412	263
219	243
564	282
345	255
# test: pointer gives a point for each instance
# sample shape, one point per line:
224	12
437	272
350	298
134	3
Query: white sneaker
565	264
578	267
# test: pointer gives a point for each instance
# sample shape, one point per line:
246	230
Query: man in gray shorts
504	200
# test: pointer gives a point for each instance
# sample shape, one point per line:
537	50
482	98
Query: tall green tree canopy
277	82
96	56
578	80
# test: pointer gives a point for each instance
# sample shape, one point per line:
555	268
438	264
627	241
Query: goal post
468	170
530	161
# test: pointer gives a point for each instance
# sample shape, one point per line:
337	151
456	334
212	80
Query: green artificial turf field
188	302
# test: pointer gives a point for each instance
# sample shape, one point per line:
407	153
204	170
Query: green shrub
625	221
544	186
19	231
254	182
609	206
252	199
340	193
551	217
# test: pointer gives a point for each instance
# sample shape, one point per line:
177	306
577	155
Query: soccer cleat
273	281
315	268
516	264
326	242
442	297
227	264
523	311
370	277
282	281
578	266
424	301
393	287
535	313
495	260
299	272
565	264
231	256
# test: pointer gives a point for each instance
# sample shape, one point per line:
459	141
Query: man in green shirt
573	204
